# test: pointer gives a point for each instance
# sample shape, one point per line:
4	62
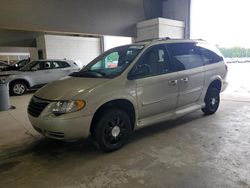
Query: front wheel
212	101
112	130
18	88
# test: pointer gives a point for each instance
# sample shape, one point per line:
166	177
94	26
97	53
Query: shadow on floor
55	150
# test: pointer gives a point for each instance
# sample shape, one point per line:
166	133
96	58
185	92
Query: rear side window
60	64
42	65
185	56
210	53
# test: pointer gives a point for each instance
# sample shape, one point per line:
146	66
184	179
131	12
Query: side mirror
139	71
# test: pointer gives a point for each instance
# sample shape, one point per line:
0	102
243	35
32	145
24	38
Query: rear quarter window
60	64
210	54
185	56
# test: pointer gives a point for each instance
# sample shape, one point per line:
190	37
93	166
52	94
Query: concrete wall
152	9
18	38
31	51
178	10
40	42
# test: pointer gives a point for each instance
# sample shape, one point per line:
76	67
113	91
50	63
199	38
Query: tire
112	130
18	88
212	101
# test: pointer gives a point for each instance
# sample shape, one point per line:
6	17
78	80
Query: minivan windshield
111	63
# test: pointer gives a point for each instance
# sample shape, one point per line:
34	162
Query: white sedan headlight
63	107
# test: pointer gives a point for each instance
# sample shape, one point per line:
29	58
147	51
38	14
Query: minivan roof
68	60
168	40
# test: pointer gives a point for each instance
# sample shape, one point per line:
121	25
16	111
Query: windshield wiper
88	74
99	72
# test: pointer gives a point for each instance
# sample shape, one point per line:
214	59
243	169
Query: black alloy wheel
212	101
112	130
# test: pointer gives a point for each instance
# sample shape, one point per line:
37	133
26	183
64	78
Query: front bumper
62	129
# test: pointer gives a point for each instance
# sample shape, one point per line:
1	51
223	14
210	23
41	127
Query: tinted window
154	61
60	64
23	62
210	54
185	56
42	65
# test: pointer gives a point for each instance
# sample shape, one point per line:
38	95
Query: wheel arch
122	104
217	83
20	80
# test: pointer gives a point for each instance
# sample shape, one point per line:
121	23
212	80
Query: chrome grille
36	106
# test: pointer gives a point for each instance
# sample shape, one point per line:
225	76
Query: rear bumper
224	86
62	129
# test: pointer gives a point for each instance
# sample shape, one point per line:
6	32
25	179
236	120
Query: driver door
157	89
42	73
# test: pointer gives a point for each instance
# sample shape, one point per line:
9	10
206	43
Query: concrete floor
193	151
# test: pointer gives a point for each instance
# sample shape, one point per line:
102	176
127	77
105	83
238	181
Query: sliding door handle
173	82
184	79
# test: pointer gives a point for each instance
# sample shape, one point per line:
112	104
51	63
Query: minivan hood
68	87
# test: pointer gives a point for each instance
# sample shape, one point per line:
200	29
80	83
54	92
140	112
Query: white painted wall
113	41
81	49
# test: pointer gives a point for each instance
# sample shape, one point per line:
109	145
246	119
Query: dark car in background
3	65
17	65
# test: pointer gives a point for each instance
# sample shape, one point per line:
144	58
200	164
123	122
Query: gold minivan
130	87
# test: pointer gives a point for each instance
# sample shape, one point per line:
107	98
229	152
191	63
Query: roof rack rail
148	40
165	38
200	39
154	39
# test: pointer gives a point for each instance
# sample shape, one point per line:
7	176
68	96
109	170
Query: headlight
62	107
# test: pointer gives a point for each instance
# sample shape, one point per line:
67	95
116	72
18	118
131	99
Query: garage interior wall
31	51
83	49
109	17
178	10
113	41
23	21
41	47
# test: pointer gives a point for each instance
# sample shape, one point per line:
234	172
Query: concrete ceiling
21	21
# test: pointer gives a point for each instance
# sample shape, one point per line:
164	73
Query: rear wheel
212	101
18	88
112	130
